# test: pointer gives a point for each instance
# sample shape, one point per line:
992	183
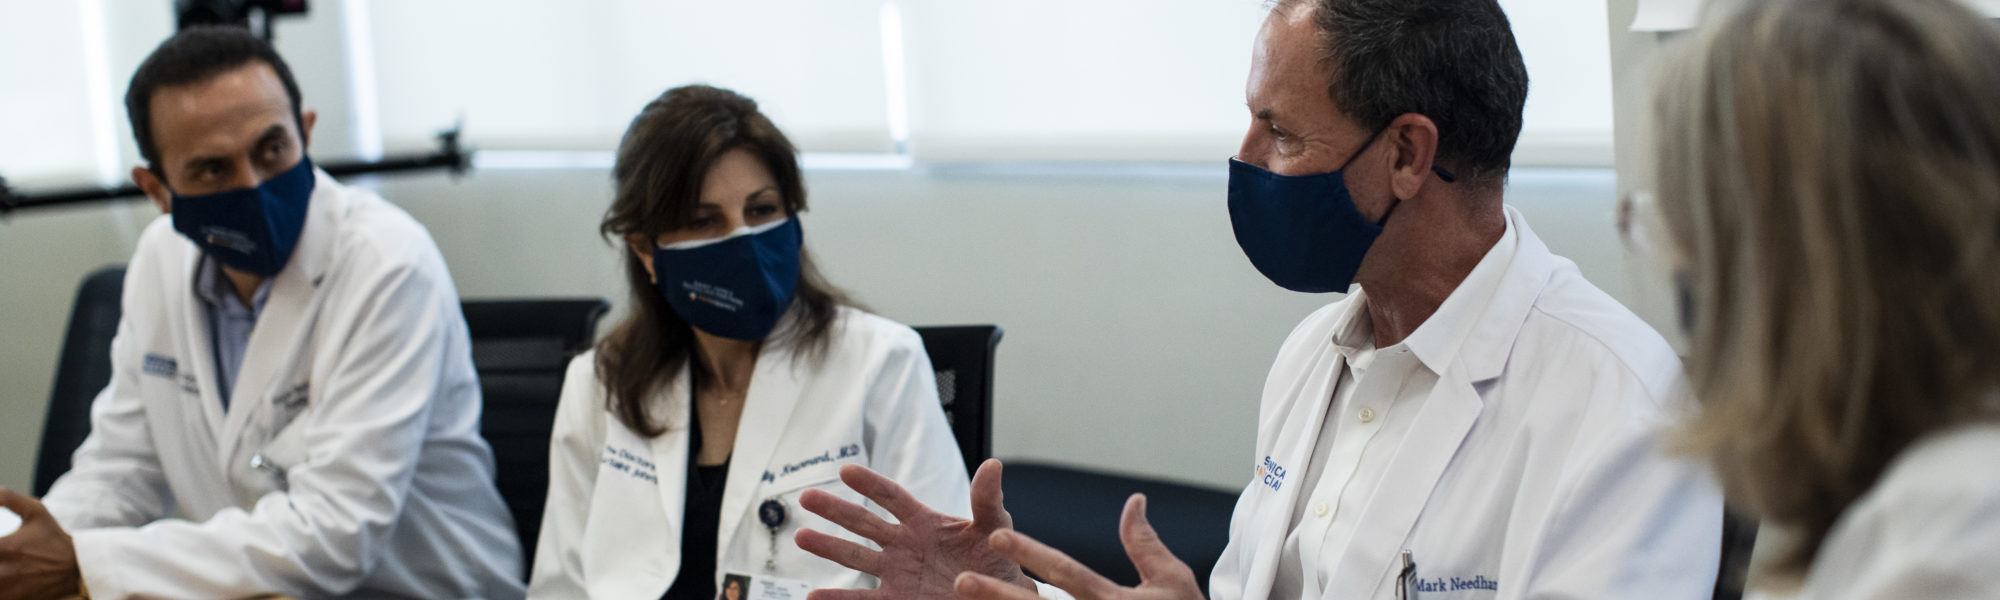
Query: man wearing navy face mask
1474	419
292	408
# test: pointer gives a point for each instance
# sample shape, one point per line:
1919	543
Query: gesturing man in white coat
1474	421
292	408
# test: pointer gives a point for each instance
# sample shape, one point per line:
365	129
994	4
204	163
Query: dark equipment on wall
190	13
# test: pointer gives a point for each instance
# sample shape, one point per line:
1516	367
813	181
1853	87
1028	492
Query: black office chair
1077	511
521	349
1074	510
962	356
82	371
1739	539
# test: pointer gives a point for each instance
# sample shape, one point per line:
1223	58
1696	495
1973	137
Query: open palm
924	552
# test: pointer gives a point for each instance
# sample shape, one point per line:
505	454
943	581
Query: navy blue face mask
736	286
253	229
1303	231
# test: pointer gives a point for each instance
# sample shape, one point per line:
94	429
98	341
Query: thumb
989	511
1151	556
23	505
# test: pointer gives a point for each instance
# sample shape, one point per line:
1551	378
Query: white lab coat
1930	528
1535	468
613	522
356	393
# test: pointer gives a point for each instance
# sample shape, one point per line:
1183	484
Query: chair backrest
962	356
521	349
1739	541
81	372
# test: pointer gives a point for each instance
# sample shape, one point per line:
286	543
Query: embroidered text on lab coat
841	453
629	463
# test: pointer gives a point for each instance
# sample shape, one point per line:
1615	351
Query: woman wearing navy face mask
739	379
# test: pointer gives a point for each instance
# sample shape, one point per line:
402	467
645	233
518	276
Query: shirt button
1320	510
1368	415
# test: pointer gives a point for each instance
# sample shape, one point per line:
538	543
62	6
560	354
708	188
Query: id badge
737	586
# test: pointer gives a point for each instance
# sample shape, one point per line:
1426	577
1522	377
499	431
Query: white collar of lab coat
310	260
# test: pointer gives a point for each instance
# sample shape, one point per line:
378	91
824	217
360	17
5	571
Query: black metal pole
449	156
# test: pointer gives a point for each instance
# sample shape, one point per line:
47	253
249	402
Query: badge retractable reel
772	514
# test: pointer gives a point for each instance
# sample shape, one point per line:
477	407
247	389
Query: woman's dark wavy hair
662	161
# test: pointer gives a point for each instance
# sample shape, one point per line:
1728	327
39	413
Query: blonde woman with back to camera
1830	176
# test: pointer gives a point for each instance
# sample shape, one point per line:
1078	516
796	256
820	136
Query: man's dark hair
192	56
1454	61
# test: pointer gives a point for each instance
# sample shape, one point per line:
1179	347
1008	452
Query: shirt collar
215	289
1436	342
1356	332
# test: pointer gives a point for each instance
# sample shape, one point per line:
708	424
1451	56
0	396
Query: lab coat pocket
285	447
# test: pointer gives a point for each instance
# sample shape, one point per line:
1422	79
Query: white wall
1633	57
1137	334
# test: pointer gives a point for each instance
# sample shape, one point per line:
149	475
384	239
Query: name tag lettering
630	463
840	454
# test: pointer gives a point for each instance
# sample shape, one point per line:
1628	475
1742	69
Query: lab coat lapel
198	349
1311	395
670	459
284	329
1441	425
775	387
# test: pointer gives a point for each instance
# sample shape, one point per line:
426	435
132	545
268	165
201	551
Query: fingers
849	515
1052	565
847	554
884	492
989	513
1153	559
974	586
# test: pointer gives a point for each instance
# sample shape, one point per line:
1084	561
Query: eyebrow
1265	113
746	198
276	131
275	134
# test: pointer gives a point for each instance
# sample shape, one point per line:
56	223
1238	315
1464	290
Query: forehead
734	176
220	114
1286	56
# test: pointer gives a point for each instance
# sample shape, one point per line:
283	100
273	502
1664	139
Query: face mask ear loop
1364	148
1384	222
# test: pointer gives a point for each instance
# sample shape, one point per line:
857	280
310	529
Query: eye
702	222
209	172
764	210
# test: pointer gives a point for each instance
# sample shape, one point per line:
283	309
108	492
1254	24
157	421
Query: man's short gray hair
1454	61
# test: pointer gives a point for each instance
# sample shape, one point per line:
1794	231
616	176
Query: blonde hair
1829	171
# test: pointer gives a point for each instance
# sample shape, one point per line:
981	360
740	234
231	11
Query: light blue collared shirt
229	321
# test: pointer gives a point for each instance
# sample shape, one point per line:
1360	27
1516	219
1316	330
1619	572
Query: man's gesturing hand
924	552
1161	575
